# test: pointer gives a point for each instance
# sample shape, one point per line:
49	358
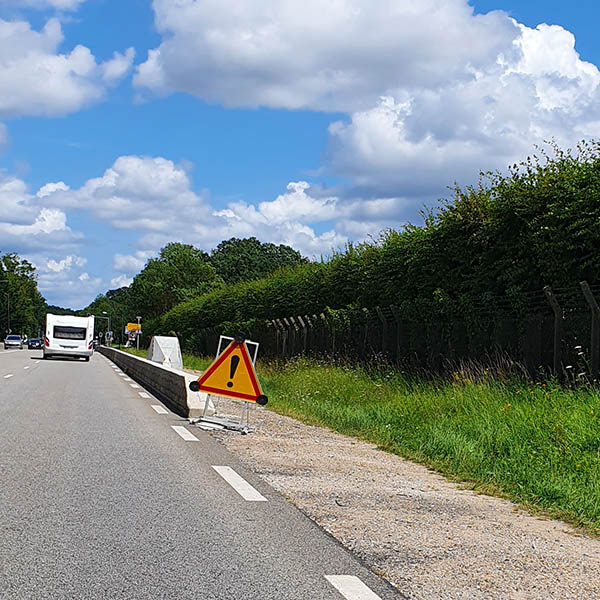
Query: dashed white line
26	368
37	362
184	433
239	484
144	395
351	587
161	410
122	375
133	385
8	376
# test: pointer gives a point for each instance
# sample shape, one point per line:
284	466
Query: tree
238	260
180	273
22	307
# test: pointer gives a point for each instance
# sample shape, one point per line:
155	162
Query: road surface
105	494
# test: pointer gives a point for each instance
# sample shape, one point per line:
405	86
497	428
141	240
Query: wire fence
556	333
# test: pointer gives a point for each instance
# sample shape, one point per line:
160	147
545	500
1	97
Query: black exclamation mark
235	361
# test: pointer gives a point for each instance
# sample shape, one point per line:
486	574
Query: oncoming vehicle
69	336
13	341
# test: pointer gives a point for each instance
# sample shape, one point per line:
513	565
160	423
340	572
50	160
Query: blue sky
127	125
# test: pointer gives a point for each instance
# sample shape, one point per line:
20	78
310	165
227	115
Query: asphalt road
101	498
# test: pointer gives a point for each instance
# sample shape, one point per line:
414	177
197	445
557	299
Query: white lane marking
37	362
161	410
8	376
144	395
122	375
26	368
239	484
184	433
133	385
128	379
351	587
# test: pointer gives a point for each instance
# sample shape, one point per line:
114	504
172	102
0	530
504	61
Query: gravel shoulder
427	536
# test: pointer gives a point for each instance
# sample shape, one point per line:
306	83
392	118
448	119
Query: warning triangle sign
232	374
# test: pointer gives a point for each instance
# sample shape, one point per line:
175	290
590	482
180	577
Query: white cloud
120	281
132	263
290	54
118	66
44	4
37	80
66	263
427	139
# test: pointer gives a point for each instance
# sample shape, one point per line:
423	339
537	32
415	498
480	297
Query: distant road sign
232	375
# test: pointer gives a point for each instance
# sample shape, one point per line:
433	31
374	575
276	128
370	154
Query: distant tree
21	304
181	272
238	260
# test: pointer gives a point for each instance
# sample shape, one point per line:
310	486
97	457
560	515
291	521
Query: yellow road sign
232	374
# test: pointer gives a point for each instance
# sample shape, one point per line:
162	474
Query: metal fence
557	333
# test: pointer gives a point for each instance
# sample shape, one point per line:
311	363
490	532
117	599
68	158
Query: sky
128	125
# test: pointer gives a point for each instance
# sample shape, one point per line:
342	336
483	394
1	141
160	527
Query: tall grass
538	444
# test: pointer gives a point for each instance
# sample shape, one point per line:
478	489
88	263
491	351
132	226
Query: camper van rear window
69	333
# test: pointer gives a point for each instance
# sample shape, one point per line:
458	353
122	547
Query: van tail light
90	345
46	342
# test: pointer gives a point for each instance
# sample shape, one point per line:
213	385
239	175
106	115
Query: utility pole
109	329
7	304
139	332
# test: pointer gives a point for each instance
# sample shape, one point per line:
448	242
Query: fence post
277	335
290	345
398	318
384	329
303	327
558	330
294	332
595	341
284	336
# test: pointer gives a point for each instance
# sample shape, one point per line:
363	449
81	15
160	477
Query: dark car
13	341
34	344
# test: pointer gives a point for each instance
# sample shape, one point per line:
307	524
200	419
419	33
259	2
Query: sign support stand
225	378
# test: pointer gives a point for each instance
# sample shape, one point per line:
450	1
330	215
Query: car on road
34	344
13	341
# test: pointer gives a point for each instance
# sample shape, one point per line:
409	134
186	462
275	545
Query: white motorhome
69	336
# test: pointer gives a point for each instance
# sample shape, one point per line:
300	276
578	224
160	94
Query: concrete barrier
167	384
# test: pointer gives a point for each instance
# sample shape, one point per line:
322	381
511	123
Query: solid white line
239	484
161	410
351	587
144	395
8	376
134	385
184	433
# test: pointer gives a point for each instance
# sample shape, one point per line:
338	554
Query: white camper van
69	336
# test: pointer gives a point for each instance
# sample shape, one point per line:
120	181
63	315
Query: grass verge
537	444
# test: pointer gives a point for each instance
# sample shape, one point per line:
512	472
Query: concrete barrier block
169	385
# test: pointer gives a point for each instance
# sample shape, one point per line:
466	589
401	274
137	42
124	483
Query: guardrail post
558	330
595	340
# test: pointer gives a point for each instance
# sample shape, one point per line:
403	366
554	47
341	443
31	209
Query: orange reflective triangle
232	374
